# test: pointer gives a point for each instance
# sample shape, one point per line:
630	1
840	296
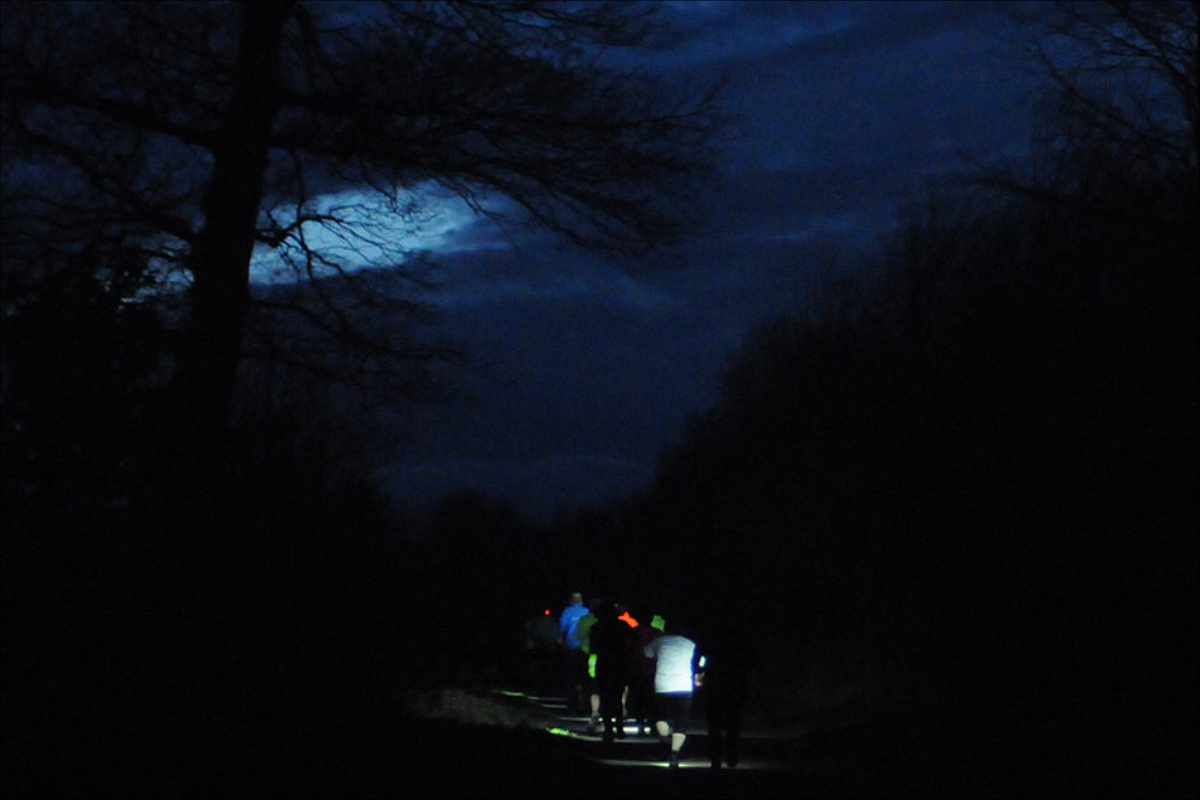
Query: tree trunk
220	259
1194	100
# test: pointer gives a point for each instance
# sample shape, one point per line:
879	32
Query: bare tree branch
306	137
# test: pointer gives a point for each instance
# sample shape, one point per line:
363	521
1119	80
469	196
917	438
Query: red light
546	613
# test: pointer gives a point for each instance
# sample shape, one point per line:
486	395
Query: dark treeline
181	615
966	453
969	459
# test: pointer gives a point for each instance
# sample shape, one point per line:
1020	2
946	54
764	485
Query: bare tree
1128	72
1125	102
178	142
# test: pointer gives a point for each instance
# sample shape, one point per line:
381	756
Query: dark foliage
976	463
180	614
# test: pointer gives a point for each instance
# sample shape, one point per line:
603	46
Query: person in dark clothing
641	675
611	641
543	652
722	663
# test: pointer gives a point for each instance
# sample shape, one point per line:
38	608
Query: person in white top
673	683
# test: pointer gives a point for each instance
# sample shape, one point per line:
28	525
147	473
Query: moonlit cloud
374	232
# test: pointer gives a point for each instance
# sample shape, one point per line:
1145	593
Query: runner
641	675
584	633
722	662
673	684
611	641
574	659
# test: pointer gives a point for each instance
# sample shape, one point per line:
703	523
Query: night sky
586	367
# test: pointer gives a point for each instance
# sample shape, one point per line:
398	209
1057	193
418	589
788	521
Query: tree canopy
179	142
1125	81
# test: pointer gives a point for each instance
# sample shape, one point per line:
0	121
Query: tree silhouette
1129	72
197	135
1126	80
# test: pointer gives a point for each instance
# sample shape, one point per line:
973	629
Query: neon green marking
558	731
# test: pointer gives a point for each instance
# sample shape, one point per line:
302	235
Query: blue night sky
586	368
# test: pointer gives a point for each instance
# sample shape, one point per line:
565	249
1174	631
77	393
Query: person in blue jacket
574	659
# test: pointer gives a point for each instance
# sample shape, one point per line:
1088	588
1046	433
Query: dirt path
530	742
762	749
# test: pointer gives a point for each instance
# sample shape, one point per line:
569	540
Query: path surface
773	762
762	749
509	742
527	743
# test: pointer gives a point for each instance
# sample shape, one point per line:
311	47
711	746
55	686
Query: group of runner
619	668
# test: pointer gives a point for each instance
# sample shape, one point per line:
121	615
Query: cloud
377	231
710	32
886	82
528	273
